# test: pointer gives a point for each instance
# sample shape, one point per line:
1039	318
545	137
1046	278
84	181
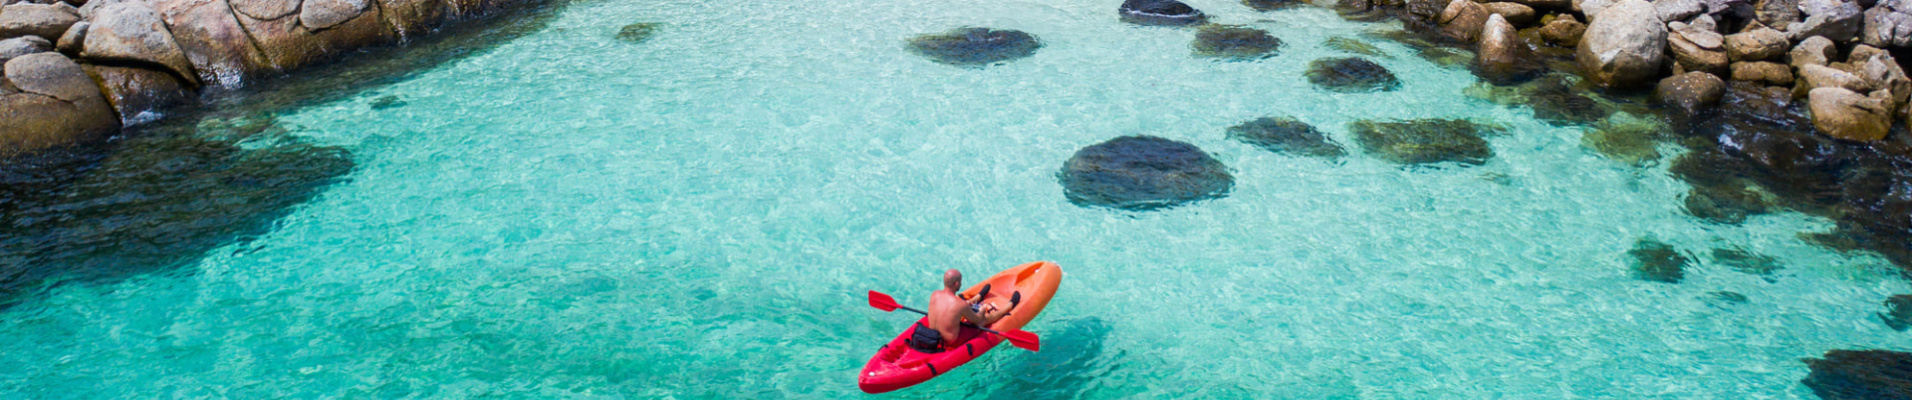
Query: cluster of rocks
77	70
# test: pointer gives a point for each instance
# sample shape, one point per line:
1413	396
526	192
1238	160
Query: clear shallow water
697	215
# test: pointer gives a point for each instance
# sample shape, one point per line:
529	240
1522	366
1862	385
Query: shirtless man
947	311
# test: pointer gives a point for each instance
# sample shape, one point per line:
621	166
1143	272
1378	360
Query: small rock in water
1423	141
975	47
1355	46
1139	173
1724	204
1235	42
1725	298
1271	5
1351	75
1898	312
638	32
1658	262
1747	262
387	102
1160	13
1861	375
1286	135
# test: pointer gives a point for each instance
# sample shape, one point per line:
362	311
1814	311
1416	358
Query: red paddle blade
882	301
1024	340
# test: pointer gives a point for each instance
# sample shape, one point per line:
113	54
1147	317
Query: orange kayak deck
897	366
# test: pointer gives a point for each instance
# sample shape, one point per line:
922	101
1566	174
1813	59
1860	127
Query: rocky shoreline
79	70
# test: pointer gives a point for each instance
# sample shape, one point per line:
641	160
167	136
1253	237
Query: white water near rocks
698	215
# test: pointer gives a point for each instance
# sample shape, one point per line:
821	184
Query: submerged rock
638	32
1898	312
1286	135
1140	173
1861	375
1160	13
1657	262
1725	204
1271	5
1355	46
975	47
1423	141
1503	57
1692	92
1630	142
1351	75
1557	103
1234	42
1745	261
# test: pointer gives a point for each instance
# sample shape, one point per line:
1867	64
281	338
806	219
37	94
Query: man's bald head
952	279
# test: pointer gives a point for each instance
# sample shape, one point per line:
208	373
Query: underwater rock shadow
1070	361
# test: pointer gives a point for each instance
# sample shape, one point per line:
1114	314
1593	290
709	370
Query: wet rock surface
1504	58
1234	43
1692	92
1423	141
1860	375
1655	261
975	47
1160	13
1286	135
1140	173
1351	75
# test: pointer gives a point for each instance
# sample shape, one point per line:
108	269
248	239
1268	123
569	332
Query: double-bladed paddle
1020	338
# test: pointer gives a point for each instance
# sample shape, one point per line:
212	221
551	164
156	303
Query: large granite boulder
1677	10
1861	375
1286	135
1234	42
43	20
319	15
137	93
288	43
1139	173
1819	76
409	18
1888	24
975	47
1839	20
1691	92
1848	115
133	32
1160	13
1757	45
1624	47
220	50
20	46
1423	141
1351	75
1462	20
1504	57
55	104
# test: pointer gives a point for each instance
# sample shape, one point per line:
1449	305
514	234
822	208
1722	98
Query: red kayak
898	366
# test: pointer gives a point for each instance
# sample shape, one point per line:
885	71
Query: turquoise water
696	216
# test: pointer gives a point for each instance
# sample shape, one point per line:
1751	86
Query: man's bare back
947	310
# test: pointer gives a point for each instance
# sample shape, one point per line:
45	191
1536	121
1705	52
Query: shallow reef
1286	135
1234	42
1424	141
1656	261
1140	173
975	47
1351	75
1160	13
1630	142
1861	375
1725	204
1745	261
155	202
638	32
